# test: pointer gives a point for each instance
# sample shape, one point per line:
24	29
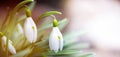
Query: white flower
30	30
10	46
18	31
56	40
19	28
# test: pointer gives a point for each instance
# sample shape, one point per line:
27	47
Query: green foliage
46	14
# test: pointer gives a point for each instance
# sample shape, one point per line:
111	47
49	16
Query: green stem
20	5
46	14
27	10
7	47
13	13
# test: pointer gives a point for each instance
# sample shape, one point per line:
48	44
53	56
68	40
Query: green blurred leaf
70	42
44	26
73	35
43	43
63	23
78	54
63	52
46	14
48	24
31	6
23	53
20	5
77	46
21	18
87	55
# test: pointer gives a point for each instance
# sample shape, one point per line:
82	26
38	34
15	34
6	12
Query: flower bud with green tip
56	38
30	28
11	48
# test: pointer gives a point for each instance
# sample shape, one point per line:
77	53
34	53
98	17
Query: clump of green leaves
40	48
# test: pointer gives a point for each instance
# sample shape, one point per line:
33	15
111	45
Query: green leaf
87	55
32	5
43	43
46	14
70	42
77	46
12	19
63	52
78	54
74	35
63	23
21	18
21	5
47	24
23	53
71	39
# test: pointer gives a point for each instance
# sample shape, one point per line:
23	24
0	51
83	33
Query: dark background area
49	3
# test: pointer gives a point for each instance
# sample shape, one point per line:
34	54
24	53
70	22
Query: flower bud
56	40
11	48
30	30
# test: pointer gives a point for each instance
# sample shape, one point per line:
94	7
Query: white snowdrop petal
10	41
30	30
56	40
11	48
20	29
53	41
54	44
61	43
3	42
4	39
60	38
34	28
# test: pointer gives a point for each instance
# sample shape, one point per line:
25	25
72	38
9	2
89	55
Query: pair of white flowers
11	48
30	31
55	40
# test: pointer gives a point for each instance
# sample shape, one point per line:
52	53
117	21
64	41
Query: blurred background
100	18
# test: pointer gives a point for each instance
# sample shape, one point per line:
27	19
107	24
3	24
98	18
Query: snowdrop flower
19	31
19	28
11	48
30	30
56	39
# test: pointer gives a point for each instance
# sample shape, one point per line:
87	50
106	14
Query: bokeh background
99	18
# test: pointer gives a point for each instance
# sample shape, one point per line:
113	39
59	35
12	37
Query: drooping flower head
11	48
56	39
30	28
